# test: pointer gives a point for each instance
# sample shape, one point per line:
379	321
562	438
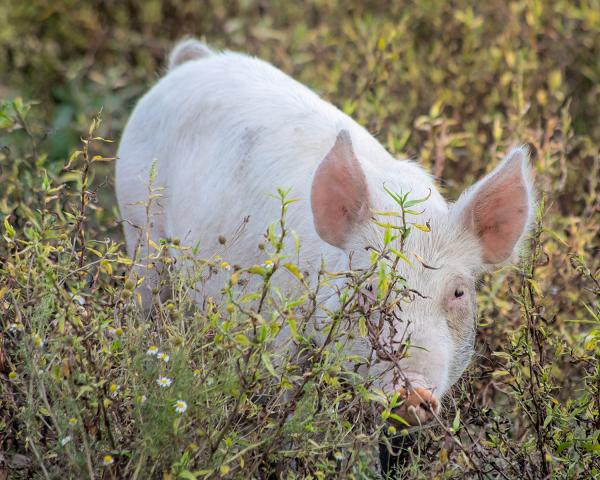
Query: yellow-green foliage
452	84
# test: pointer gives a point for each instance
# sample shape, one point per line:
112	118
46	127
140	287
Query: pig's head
479	232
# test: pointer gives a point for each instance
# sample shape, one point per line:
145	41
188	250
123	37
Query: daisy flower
38	342
164	382
114	390
180	406
65	440
107	460
268	264
164	357
115	332
152	350
77	298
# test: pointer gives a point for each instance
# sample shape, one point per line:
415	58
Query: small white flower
38	341
65	440
268	264
142	399
197	373
112	332
164	357
164	382
107	460
152	350
180	406
114	390
77	298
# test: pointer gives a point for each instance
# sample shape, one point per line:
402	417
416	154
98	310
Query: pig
224	130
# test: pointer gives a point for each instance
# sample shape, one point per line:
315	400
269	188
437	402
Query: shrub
454	85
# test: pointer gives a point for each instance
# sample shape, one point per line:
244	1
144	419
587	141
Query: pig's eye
457	297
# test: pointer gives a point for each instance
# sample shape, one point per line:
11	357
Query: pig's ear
339	195
499	207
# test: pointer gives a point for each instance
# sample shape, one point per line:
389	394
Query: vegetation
92	388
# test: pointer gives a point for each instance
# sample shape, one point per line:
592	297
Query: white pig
226	130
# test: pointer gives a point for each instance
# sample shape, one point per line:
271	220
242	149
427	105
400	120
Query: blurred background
451	84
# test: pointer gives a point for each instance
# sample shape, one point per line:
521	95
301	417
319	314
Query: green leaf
188	475
396	197
413	212
10	231
268	365
242	340
205	472
250	297
72	158
100	158
262	333
362	326
423	228
5	120
293	269
383	280
387	236
399	419
293	327
124	261
83	390
388	225
401	255
45	182
410	203
386	213
456	422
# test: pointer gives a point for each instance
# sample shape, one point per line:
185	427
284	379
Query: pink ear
339	195
497	208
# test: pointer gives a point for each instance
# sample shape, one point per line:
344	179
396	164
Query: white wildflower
180	406
164	357
164	382
114	390
152	350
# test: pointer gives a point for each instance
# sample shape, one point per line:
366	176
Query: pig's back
226	131
230	100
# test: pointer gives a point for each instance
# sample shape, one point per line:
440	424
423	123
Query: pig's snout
419	406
